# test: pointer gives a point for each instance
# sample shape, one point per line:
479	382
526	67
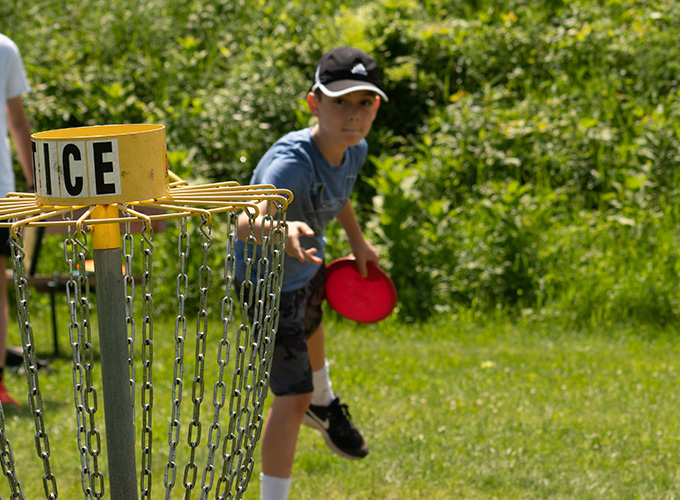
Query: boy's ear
313	103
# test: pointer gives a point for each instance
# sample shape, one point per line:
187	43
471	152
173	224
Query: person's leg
280	433
327	413
316	346
323	387
4	312
5	398
291	384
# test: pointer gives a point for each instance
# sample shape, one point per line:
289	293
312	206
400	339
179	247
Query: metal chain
21	286
220	387
147	361
180	335
246	420
198	385
35	402
230	447
7	461
270	269
270	325
231	450
254	342
80	336
129	281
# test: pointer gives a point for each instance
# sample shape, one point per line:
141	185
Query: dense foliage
526	161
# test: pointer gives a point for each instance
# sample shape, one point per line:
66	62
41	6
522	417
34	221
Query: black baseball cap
347	69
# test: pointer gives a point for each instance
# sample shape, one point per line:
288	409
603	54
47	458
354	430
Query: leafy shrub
527	158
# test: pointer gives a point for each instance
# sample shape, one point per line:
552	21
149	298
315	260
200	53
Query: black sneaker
334	422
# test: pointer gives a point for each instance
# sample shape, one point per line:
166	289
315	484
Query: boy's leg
323	388
280	434
292	387
326	412
316	346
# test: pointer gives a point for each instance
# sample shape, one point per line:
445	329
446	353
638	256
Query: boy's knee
295	404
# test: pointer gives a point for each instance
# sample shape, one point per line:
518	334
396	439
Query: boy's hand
297	230
363	253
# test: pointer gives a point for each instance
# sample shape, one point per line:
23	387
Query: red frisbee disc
365	300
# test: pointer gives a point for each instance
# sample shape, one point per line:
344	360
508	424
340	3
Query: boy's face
346	119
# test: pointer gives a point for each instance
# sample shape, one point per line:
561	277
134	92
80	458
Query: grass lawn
450	409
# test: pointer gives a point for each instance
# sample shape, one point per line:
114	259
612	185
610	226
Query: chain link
220	387
245	344
147	361
35	402
7	462
231	448
178	369
253	351
6	453
198	385
129	281
80	336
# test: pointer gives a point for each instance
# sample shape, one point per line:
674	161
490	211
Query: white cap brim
344	87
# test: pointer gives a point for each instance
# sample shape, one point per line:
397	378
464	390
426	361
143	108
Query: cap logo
359	69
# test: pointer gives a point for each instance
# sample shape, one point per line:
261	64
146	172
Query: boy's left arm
363	251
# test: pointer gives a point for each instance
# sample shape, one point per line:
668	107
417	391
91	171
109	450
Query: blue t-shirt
320	191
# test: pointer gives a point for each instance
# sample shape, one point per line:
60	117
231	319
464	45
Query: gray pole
118	414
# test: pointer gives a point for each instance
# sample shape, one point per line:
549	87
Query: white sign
77	169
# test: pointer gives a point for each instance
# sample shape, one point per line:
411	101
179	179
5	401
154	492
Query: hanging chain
220	387
129	281
266	340
251	339
254	345
21	286
246	420
80	336
35	402
147	360
270	270
198	385
180	335
231	448
35	397
7	462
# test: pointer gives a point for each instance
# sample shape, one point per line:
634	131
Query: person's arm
20	131
363	251
296	230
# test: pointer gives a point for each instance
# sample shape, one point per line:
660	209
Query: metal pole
118	409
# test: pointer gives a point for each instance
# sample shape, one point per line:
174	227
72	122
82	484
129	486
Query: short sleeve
16	82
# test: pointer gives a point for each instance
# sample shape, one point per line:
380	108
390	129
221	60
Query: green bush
522	141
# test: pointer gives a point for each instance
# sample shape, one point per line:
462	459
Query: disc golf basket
98	183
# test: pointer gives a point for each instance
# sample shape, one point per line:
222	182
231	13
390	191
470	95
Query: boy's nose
354	113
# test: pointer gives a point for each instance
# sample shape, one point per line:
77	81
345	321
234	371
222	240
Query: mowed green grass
450	409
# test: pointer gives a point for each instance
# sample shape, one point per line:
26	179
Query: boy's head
344	70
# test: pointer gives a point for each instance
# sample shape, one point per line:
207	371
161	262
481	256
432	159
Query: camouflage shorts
300	314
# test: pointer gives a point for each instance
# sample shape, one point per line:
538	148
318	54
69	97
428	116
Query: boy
13	84
320	166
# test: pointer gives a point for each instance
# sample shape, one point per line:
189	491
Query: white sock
274	488
323	388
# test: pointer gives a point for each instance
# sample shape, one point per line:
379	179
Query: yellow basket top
101	164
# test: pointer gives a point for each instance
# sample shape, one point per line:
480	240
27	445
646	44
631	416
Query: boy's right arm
296	230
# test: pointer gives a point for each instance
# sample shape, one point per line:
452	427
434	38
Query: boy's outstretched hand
296	230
